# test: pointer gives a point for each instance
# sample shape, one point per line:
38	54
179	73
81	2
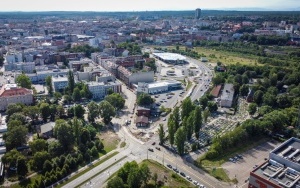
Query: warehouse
158	87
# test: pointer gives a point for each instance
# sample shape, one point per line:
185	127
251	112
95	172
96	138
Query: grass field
110	140
168	177
226	57
213	167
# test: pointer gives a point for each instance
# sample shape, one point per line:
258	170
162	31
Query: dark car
168	165
150	149
153	143
182	173
158	148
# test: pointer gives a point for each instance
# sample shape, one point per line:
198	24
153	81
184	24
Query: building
26	67
99	89
11	94
76	65
227	96
40	76
281	170
142	111
197	13
59	83
158	87
171	58
141	121
46	130
216	91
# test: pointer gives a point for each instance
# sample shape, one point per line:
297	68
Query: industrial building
171	58
158	87
281	170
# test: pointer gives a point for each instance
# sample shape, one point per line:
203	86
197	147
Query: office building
59	83
100	89
197	13
227	96
281	170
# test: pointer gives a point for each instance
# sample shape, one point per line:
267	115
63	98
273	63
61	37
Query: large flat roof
170	56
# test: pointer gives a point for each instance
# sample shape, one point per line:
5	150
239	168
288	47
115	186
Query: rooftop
170	56
228	92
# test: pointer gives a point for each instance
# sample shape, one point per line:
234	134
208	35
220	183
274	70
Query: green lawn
189	85
213	167
123	144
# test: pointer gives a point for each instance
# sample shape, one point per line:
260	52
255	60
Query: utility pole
163	158
147	154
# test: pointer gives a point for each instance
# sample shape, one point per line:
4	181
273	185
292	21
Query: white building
11	94
99	89
26	67
158	87
59	83
13	57
40	76
227	96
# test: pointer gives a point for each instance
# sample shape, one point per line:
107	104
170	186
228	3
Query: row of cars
235	158
185	176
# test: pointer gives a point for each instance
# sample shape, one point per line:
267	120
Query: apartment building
59	83
99	89
11	94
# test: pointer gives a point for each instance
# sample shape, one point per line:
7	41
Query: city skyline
143	5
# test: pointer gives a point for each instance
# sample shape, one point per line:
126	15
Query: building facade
11	94
59	83
227	96
100	89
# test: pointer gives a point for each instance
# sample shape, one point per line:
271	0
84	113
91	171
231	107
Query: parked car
150	149
168	165
189	178
182	173
153	143
158	148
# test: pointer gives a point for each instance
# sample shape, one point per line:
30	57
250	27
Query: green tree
38	145
171	131
52	109
60	111
19	117
23	81
145	173
106	111
22	168
11	109
77	125
187	107
16	136
212	106
134	178
79	111
49	85
87	93
204	101
252	108
258	96
197	121
93	110
187	123
244	89
39	158
71	82
31	111
45	110
176	117
218	79
180	138
161	134
115	182
206	114
269	99
144	99
116	100
64	134
10	158
76	95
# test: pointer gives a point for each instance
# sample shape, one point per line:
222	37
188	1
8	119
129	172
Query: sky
143	5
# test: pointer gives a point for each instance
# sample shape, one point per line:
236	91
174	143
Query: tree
87	93
22	168
218	79
19	117
212	106
116	100
161	134
154	178
32	112
60	111
145	173
71	82
49	85
15	137
171	131
197	121
187	107
64	134
11	109
45	110
244	89
79	111
176	117
77	125
204	101
23	81
93	110
180	138
206	114
144	99
38	145
258	96
106	111
10	158
57	95
252	108
39	158
76	94
115	182
52	109
134	178
269	99
187	123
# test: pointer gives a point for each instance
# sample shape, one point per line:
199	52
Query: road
138	150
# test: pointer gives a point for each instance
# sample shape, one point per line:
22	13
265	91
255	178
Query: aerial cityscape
150	94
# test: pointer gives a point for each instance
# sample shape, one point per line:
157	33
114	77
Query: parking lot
241	169
168	99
